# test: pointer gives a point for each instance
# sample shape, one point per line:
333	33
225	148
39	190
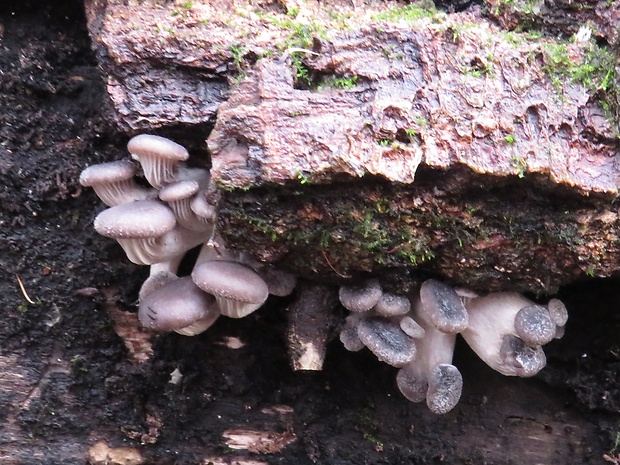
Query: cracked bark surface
80	382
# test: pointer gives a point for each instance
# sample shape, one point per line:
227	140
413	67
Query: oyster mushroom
238	289
136	226
431	376
113	182
178	305
360	297
158	156
506	330
386	340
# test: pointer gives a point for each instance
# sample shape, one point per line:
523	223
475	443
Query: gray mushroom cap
158	157
387	341
392	305
176	305
239	290
360	297
113	182
443	307
136	220
157	146
534	325
105	173
179	190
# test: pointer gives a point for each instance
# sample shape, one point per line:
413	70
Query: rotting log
72	393
444	144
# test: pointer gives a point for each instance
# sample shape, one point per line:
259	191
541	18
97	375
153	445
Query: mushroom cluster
506	330
157	226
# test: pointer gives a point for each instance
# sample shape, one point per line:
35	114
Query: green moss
334	82
411	12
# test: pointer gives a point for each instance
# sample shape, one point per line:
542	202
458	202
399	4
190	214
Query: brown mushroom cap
238	289
139	219
176	305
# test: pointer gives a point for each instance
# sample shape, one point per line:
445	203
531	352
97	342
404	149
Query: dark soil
66	378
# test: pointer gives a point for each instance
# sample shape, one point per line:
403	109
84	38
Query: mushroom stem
431	375
310	322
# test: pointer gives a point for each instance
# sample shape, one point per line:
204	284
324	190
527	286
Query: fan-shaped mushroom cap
205	212
443	307
348	334
360	297
519	359
177	305
238	289
392	305
113	182
179	195
558	312
386	340
280	283
139	219
158	157
411	327
534	325
445	385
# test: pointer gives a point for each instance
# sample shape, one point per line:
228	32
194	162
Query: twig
23	289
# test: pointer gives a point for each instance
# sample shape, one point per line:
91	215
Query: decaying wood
71	389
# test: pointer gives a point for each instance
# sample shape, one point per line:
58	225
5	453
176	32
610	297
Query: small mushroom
113	182
506	329
348	334
442	307
238	289
431	376
360	297
387	340
158	157
177	305
392	305
179	196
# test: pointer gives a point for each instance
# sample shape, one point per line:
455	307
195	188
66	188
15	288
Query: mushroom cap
558	312
203	209
443	307
360	297
176	305
106	173
519	359
387	341
155	146
411	327
179	190
445	385
135	220
392	305
534	325
237	287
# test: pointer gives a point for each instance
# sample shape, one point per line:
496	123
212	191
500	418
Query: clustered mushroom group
158	225
505	329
